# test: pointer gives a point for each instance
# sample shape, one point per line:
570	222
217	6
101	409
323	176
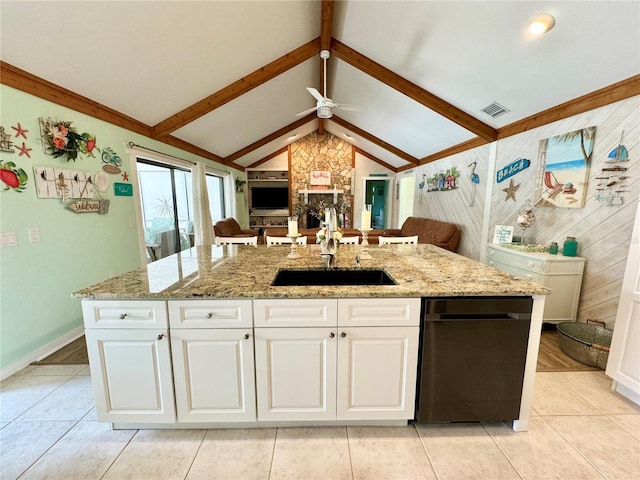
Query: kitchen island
202	337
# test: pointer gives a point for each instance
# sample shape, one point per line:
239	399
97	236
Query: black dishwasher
473	353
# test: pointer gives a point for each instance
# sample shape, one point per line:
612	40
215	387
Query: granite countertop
239	271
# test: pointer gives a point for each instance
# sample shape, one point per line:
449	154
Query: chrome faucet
332	226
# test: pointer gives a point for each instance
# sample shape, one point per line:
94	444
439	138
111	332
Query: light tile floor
580	429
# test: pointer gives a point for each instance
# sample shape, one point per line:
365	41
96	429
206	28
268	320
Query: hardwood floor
552	359
73	354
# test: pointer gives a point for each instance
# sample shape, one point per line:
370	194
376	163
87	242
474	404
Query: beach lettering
511	169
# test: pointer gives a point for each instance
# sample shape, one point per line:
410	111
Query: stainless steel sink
300	278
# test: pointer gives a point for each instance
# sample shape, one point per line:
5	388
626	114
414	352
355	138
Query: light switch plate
34	235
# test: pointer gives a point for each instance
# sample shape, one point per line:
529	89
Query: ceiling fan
325	105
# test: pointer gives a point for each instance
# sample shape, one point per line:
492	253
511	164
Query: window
166	200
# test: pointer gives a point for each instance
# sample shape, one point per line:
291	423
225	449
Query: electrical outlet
132	222
34	235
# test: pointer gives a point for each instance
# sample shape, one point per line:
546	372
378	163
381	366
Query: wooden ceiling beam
269	138
377	160
373	139
412	91
447	152
326	24
269	157
237	88
622	90
38	87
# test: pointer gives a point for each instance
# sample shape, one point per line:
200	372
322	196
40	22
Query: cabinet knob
210	315
160	336
343	334
331	335
246	336
123	316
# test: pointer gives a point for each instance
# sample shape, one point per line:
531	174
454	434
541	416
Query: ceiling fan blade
345	106
316	94
306	112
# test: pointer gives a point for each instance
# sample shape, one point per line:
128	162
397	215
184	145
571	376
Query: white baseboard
42	352
626	392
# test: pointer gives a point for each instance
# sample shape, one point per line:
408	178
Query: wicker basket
585	342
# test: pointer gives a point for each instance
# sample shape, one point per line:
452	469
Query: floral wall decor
566	159
61	139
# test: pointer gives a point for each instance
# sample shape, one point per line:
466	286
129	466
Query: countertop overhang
240	271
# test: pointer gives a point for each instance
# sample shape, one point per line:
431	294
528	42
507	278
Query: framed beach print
566	160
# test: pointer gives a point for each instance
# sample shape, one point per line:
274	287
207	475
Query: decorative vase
570	247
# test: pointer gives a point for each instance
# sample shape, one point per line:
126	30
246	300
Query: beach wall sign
511	169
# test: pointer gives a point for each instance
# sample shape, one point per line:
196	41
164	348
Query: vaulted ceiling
225	79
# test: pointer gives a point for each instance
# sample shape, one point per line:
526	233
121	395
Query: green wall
76	250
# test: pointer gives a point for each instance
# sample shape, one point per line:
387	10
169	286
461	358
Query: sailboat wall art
566	159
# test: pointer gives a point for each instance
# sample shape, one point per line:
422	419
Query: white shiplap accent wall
603	232
454	206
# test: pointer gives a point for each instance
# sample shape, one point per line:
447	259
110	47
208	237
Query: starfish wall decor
511	190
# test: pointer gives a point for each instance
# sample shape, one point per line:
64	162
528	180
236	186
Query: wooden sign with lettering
89	206
511	169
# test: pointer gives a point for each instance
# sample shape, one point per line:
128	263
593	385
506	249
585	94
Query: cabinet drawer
124	314
516	270
295	312
210	314
373	312
529	262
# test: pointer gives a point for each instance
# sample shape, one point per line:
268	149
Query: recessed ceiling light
293	136
541	23
348	136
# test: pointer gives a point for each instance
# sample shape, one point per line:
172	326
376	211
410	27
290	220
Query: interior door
377	194
624	357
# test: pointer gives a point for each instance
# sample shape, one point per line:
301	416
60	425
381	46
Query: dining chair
413	240
349	240
237	240
285	240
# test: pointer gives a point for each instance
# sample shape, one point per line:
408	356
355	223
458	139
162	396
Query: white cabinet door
624	358
377	373
296	373
214	375
131	375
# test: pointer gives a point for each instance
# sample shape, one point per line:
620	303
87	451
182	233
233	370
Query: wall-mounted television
269	198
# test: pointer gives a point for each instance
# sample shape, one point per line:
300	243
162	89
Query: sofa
229	227
441	234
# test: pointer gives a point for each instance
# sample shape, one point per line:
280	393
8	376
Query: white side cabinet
213	363
563	275
327	359
130	361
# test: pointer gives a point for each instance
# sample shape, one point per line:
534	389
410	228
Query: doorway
377	194
405	198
